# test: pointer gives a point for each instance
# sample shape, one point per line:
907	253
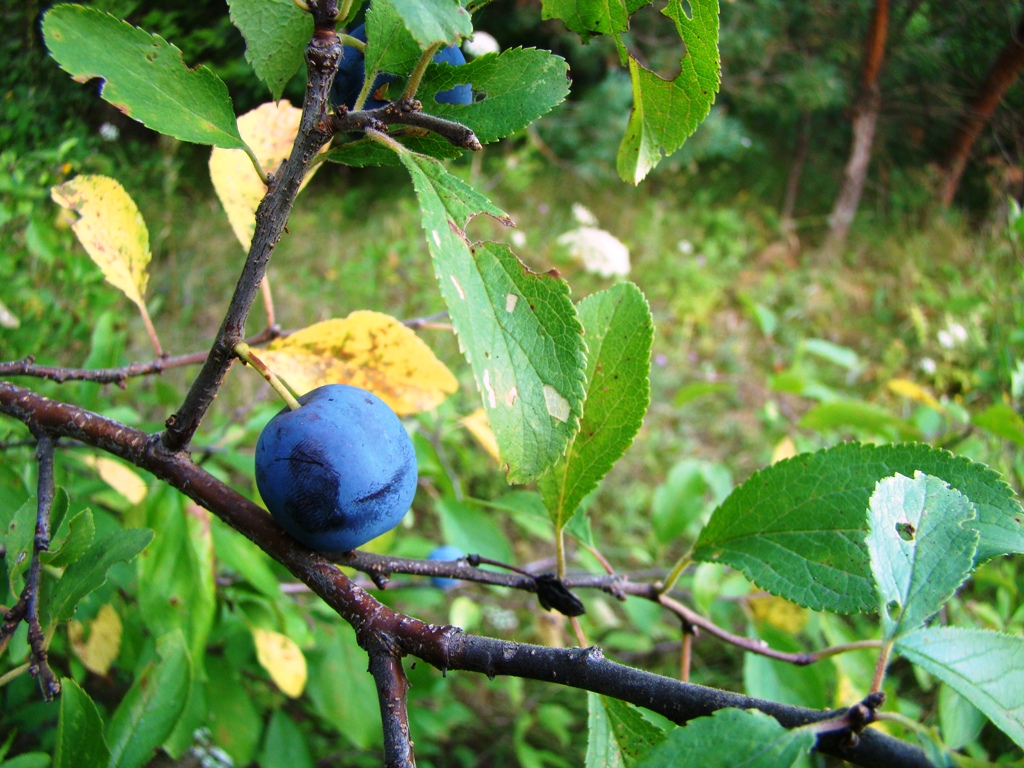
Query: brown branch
392	691
445	647
27	607
322	56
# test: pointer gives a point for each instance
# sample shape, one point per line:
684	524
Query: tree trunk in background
865	118
803	142
1002	75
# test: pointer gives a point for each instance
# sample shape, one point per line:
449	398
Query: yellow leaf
104	643
282	658
366	349
781	614
111	229
119	477
914	391
784	449
480	428
269	130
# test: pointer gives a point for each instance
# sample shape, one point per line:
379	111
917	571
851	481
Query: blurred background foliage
915	332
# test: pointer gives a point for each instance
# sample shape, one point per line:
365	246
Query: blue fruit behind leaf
352	73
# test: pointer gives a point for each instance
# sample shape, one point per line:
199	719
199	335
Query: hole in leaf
893	609
906	531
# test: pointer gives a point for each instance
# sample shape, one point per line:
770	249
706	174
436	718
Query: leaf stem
677	570
245	354
150	329
881	665
256	164
417	74
352	42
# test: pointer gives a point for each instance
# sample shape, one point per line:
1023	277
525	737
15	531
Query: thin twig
118	376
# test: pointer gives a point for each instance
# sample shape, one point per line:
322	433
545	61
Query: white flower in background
7	318
928	365
953	334
583	215
518	238
480	44
685	247
110	132
598	251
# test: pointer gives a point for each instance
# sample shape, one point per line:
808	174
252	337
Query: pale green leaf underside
517	328
797	528
921	547
276	34
145	76
515	87
619	330
986	668
618	735
666	112
731	738
433	21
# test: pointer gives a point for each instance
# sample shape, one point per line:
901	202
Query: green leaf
389	46
28	760
1002	421
619	330
666	112
774	680
515	87
240	555
986	668
19	531
588	17
473	530
731	738
684	496
178	570
866	418
89	572
921	547
618	734
151	708
145	76
235	721
518	329
73	537
276	34
284	744
960	722
433	21
80	741
341	690
797	528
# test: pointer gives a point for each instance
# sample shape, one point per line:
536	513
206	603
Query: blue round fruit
337	472
445	553
352	72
